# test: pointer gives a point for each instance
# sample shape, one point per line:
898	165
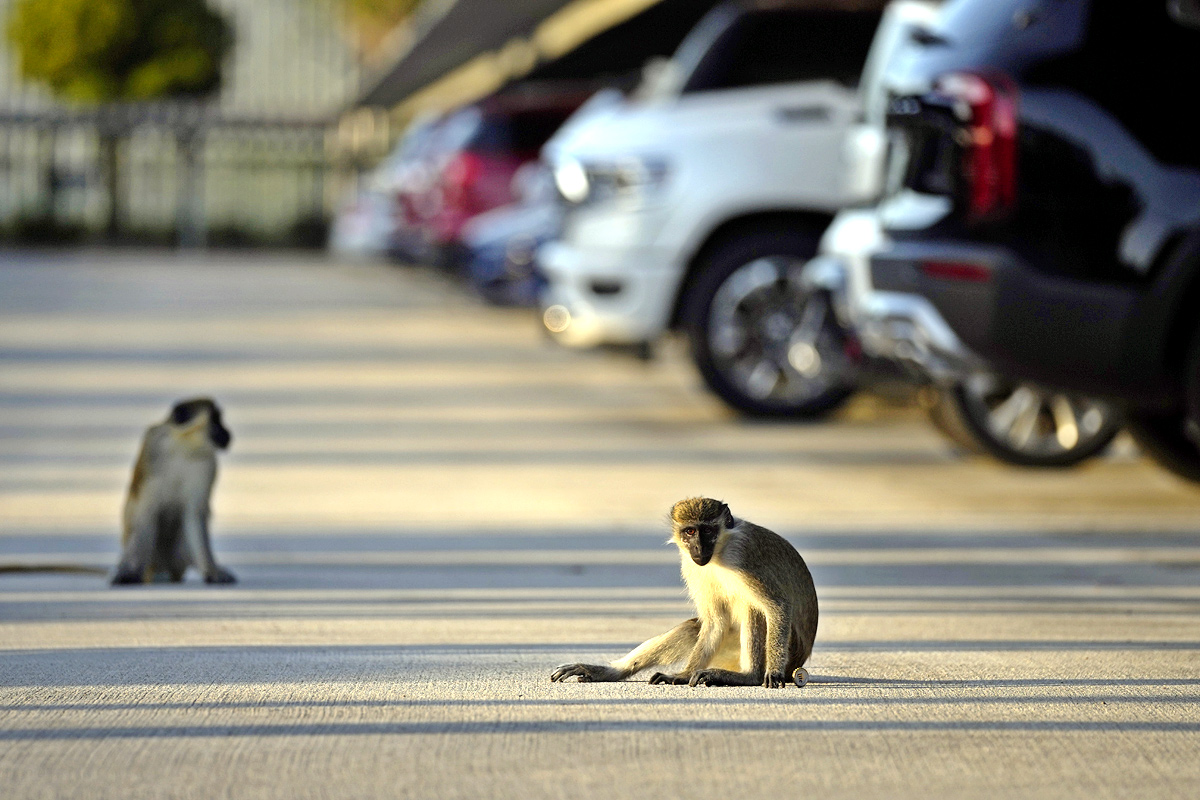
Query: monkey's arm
195	533
668	648
754	638
766	639
779	631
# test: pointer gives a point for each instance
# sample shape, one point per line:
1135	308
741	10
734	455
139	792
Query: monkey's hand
774	680
220	575
678	679
586	673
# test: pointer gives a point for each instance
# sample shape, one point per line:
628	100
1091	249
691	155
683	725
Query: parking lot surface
429	506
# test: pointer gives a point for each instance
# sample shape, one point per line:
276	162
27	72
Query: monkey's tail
66	569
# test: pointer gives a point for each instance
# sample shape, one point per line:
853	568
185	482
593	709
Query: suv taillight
986	108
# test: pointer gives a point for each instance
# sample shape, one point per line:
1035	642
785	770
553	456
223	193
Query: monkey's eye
688	531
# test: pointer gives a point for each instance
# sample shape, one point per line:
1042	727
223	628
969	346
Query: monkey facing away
756	603
166	511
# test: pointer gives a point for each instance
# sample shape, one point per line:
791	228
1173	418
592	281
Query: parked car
362	224
501	244
1044	201
470	166
979	409
365	222
694	205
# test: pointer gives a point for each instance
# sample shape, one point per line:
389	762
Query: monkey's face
699	539
204	417
218	433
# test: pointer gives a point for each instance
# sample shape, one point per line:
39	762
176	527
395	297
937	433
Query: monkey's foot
586	673
774	680
220	575
124	576
800	676
723	677
671	680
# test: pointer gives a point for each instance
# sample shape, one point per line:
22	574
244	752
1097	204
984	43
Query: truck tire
1025	425
1172	438
763	344
1164	438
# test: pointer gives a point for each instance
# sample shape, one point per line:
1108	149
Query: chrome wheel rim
772	339
1033	421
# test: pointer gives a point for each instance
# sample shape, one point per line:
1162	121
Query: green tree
105	51
101	51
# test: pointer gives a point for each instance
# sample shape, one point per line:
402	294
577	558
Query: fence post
191	228
48	141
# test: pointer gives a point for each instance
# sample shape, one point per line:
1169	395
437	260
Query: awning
467	30
464	49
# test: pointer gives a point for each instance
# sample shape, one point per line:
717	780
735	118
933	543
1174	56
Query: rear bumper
1062	332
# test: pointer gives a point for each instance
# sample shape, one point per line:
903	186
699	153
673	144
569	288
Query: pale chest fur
717	588
182	478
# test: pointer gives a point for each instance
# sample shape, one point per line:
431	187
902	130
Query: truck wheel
1172	438
1023	424
764	344
1163	435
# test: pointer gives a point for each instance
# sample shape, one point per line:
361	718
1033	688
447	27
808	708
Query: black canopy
469	28
473	27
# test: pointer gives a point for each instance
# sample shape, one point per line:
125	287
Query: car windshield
458	130
971	21
779	46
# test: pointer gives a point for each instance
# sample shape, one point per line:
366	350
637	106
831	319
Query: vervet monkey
166	510
756	602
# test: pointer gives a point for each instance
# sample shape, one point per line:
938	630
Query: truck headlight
571	180
632	180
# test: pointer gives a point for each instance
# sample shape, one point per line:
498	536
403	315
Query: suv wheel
763	343
1023	424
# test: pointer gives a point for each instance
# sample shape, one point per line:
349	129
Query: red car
473	158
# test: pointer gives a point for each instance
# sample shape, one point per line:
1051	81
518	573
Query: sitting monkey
166	511
756	602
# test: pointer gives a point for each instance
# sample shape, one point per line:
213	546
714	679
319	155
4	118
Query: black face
186	411
700	539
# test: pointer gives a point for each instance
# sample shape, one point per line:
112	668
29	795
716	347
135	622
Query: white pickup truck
694	204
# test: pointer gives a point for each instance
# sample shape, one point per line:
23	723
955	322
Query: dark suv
1044	196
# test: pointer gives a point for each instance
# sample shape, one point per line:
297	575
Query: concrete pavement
429	506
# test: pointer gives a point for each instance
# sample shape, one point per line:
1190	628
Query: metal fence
264	160
180	175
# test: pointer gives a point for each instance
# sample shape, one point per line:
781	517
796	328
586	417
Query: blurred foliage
99	51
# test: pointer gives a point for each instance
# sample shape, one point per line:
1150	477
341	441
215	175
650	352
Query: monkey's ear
727	515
